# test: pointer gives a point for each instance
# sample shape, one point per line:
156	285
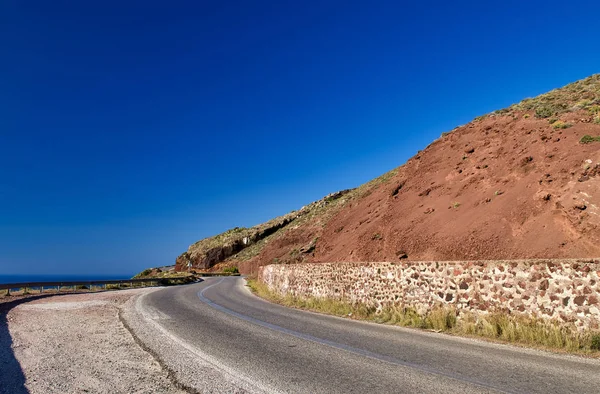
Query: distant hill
522	182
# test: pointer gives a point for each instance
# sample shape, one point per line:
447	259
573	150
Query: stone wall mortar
564	290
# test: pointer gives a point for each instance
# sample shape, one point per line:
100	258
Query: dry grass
323	305
576	96
502	327
528	331
559	124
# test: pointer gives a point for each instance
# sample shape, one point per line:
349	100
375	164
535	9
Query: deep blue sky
129	130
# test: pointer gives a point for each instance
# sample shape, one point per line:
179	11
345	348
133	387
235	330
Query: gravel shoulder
78	343
192	367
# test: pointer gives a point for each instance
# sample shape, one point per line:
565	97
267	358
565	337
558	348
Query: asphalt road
276	349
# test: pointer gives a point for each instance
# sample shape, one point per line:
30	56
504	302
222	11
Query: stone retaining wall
566	290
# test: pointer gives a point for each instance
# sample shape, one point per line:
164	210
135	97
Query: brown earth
516	184
503	188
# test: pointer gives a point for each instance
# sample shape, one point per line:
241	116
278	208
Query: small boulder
401	254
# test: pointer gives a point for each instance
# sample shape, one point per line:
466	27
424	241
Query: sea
4	279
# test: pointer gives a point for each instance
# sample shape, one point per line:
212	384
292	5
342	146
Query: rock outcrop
205	254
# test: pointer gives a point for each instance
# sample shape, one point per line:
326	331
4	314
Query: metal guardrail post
89	285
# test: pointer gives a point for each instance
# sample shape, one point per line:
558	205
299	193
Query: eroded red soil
504	187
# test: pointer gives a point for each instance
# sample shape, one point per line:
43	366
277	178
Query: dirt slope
502	187
518	183
241	244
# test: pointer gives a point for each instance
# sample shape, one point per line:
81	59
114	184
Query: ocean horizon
4	279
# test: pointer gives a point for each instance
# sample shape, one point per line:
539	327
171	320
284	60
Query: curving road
223	338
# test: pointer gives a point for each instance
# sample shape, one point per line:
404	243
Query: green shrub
587	139
543	112
582	104
594	109
231	270
559	124
595	342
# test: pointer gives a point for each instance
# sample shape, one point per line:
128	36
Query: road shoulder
77	343
189	365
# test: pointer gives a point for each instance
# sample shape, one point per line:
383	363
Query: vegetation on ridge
580	95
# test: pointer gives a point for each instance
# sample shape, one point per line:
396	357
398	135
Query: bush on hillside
543	112
586	139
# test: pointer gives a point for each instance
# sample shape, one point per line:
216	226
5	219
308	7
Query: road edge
176	355
170	373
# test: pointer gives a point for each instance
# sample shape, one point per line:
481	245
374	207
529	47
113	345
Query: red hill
523	182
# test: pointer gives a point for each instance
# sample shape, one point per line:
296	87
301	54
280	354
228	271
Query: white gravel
78	344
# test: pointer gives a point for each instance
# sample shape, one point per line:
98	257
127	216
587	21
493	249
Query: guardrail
89	284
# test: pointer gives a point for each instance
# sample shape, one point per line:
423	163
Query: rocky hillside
523	182
241	244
